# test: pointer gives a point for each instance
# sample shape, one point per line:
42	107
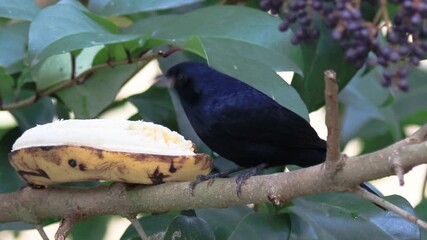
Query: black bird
241	123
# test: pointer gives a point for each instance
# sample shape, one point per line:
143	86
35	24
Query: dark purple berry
284	25
403	84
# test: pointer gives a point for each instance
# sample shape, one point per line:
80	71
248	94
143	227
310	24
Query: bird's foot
241	179
203	178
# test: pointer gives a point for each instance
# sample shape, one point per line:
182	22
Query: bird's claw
241	179
203	178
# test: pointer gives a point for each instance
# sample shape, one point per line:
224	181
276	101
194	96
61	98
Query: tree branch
389	206
334	161
35	205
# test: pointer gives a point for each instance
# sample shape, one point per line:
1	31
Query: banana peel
83	150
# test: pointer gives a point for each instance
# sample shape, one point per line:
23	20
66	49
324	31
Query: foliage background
44	47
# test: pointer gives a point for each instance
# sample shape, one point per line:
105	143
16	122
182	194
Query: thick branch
33	205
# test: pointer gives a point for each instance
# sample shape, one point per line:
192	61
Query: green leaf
421	211
118	7
19	9
145	29
71	29
9	180
16	226
317	58
230	22
411	107
13	41
84	60
6	87
154	225
147	26
91	228
251	53
40	112
366	112
223	221
98	91
263	226
376	142
249	31
215	47
155	105
190	228
346	216
53	70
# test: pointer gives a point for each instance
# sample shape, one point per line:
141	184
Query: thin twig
66	225
83	76
389	206
41	232
138	228
333	156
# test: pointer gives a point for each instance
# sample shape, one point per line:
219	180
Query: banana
117	150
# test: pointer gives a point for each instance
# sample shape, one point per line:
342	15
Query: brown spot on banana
172	168
72	163
157	177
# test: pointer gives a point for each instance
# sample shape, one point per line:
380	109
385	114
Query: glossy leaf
342	216
53	70
190	228
147	26
224	56
421	211
15	226
229	22
319	56
155	105
6	87
19	9
9	180
251	54
411	107
154	225
214	47
99	90
224	221
40	112
84	60
91	228
117	7
13	41
263	226
367	113
65	27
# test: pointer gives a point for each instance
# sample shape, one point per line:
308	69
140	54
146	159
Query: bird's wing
264	123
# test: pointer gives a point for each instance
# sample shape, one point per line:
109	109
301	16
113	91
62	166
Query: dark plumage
241	123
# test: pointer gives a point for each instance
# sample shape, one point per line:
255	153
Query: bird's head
188	79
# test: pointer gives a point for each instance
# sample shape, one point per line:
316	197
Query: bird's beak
164	81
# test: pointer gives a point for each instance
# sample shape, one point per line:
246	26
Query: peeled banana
117	150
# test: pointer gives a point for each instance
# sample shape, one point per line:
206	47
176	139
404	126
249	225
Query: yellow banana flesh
63	160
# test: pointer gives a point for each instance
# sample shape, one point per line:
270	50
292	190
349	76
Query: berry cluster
295	13
406	32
